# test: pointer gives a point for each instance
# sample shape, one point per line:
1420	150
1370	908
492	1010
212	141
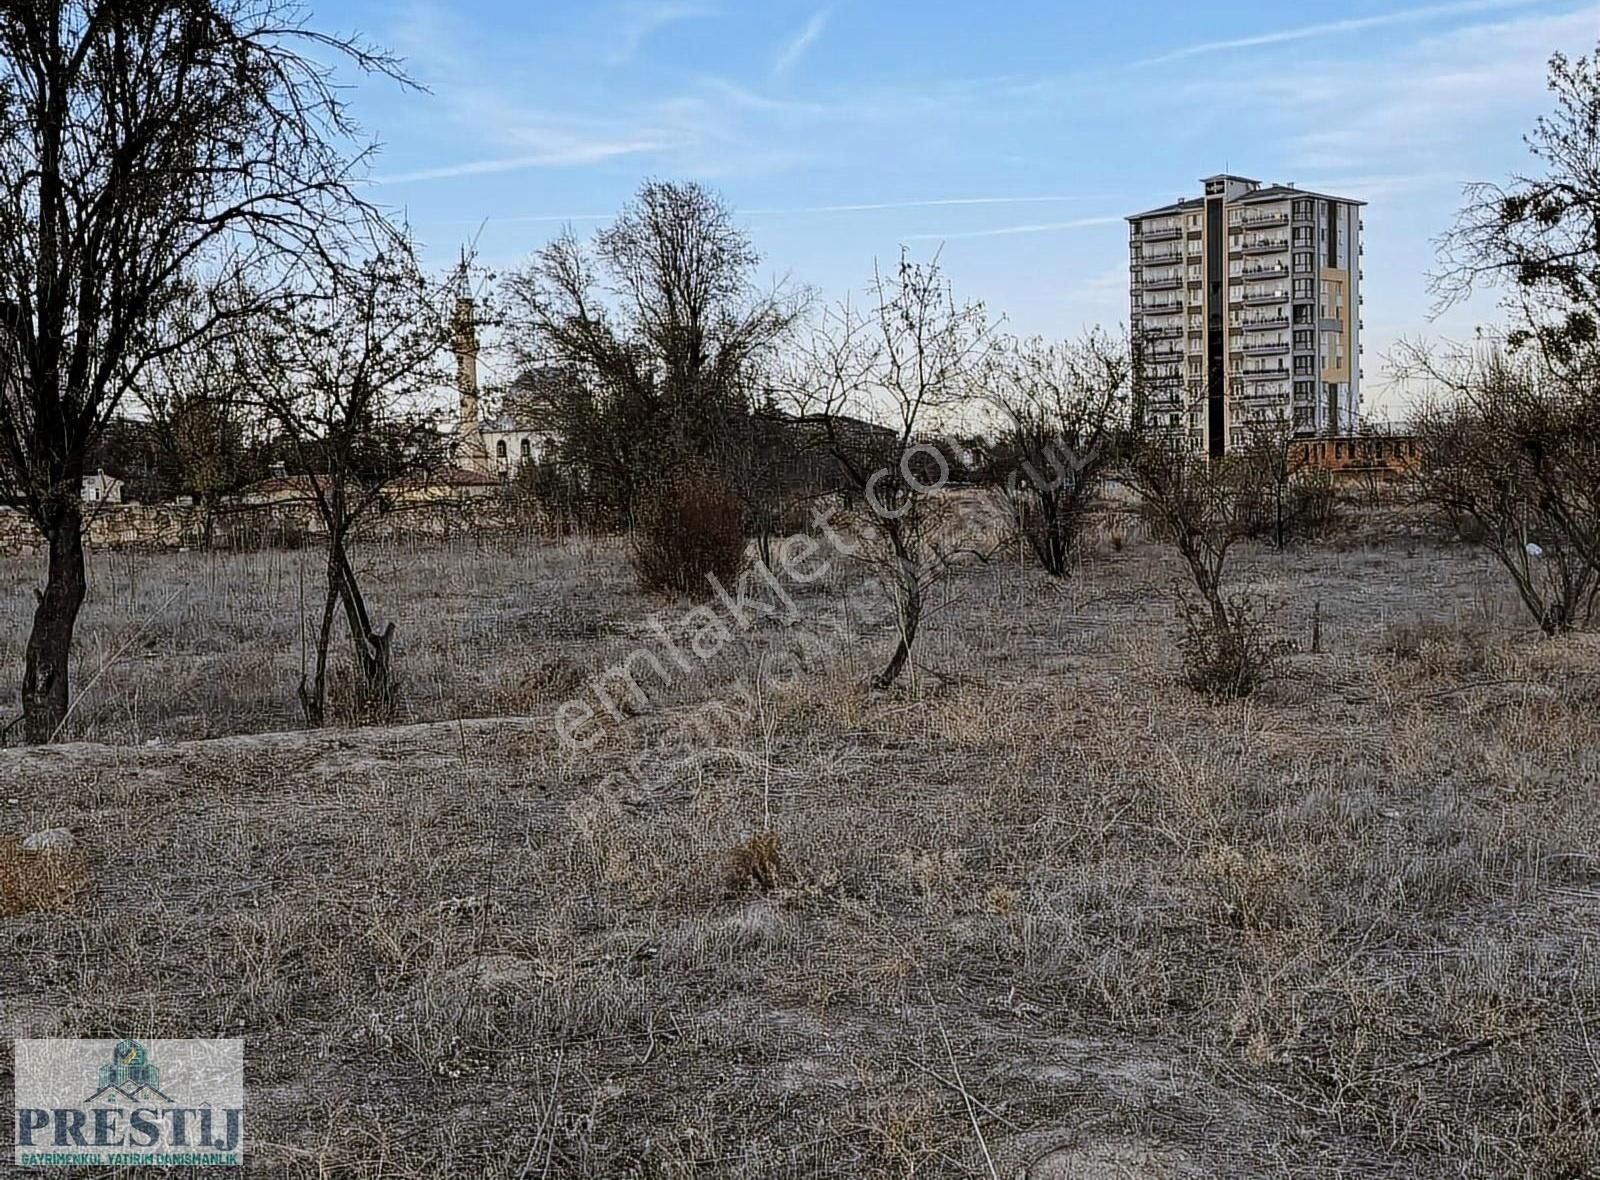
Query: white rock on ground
56	839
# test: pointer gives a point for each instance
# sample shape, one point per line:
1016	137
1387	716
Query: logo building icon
130	1076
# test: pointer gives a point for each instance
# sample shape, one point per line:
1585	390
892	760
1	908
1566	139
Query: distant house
101	488
279	488
447	483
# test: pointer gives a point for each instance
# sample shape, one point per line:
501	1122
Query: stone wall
174	527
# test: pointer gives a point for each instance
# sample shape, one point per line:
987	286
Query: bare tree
1537	237
1202	508
1287	496
1063	406
662	331
913	356
1509	435
1511	456
345	372
140	145
194	398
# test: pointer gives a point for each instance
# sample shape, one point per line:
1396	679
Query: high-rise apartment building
1246	304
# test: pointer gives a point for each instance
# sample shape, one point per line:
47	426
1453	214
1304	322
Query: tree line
183	230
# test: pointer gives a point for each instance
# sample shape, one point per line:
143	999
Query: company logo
161	1103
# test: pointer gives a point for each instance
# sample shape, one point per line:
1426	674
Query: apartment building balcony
1254	298
1164	305
1266	373
1163	282
1260	219
1265	245
1163	332
1257	273
1261	395
1158	257
1254	347
1160	235
1169	394
1263	323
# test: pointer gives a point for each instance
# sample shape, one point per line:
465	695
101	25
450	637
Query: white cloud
803	39
640	20
937	202
1425	103
1006	230
570	155
1333	28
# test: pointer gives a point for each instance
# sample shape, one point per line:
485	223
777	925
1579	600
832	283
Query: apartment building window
1302	288
1302	261
1304	338
1302	364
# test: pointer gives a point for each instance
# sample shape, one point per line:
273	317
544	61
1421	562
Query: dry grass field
1038	912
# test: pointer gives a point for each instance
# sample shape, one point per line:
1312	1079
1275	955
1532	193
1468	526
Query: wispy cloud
1422	109
1331	28
796	46
640	20
1007	230
937	202
575	154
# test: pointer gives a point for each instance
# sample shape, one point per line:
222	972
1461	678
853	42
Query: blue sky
1017	135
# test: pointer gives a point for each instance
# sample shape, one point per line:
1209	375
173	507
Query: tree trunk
45	671
373	648
910	617
314	694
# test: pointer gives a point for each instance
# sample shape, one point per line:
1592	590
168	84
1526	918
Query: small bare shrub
1441	647
1408	641
1281	498
755	864
1232	660
351	701
690	531
549	680
1201	509
1252	890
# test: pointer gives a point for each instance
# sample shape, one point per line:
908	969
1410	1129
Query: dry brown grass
1343	928
39	882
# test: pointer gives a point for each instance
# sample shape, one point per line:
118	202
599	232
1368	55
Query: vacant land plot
1040	912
